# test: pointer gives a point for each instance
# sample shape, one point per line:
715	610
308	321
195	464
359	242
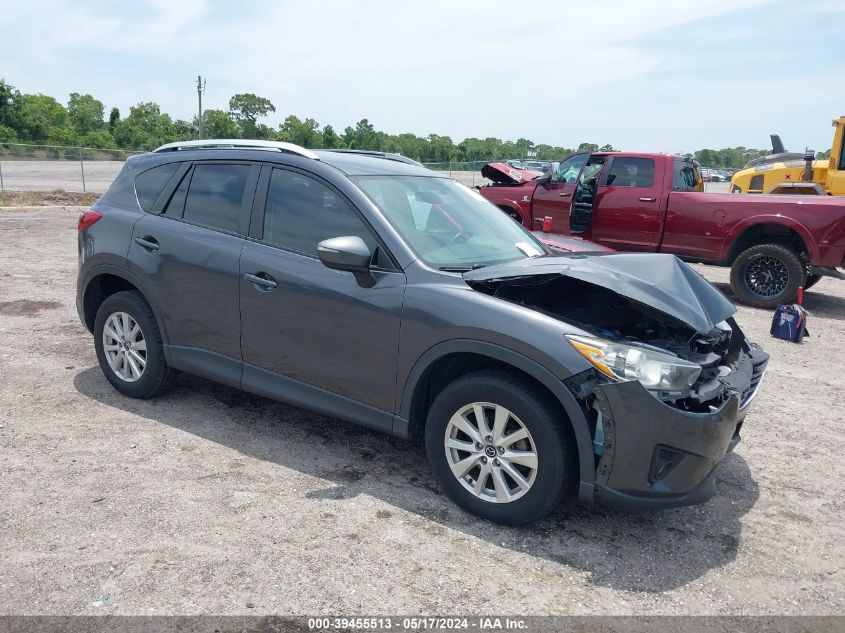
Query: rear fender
740	227
107	269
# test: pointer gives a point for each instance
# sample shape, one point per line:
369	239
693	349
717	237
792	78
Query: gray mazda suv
363	286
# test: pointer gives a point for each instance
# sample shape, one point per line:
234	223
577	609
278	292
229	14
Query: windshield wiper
461	269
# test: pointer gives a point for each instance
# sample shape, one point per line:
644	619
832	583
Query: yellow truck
783	172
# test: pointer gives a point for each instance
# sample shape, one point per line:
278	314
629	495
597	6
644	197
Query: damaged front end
672	377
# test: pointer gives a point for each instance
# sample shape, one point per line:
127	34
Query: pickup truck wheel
767	275
496	443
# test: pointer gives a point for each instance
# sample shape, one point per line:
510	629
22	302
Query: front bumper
657	456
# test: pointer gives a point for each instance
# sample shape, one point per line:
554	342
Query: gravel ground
210	500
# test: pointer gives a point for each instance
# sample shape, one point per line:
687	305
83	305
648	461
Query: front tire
767	275
497	444
129	346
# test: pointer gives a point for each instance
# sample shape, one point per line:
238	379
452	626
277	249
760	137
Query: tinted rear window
149	184
215	196
631	172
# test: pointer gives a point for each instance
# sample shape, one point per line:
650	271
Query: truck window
567	170
686	177
631	172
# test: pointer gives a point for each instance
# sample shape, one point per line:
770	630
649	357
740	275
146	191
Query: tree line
41	119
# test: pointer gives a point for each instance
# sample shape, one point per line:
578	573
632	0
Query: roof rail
237	143
386	155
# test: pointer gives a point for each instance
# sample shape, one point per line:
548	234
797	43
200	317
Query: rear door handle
564	195
265	282
648	199
148	243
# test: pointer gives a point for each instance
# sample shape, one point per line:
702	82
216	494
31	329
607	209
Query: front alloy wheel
125	346
501	446
491	452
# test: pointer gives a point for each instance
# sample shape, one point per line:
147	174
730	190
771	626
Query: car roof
349	162
373	164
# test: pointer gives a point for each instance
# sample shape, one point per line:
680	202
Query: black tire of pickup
767	275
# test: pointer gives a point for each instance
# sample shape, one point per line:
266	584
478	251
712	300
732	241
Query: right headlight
654	370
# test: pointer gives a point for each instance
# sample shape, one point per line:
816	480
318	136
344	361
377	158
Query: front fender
578	420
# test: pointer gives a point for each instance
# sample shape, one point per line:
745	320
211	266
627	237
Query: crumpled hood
661	281
503	174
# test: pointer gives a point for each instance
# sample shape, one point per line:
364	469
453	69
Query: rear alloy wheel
767	275
500	447
125	346
129	346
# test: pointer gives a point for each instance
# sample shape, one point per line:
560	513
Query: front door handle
648	199
148	243
262	280
565	194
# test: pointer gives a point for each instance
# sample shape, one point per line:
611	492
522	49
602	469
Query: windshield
447	224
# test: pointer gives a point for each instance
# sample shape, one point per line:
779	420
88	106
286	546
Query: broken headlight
654	369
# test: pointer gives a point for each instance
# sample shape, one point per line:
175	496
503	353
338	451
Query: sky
643	75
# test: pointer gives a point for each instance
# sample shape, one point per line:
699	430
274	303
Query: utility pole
200	90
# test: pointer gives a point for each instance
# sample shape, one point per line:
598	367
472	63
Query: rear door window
686	177
631	172
217	195
149	184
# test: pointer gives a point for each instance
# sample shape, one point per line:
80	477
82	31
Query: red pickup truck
656	203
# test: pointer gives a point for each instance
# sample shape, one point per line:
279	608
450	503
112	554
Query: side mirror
345	253
544	179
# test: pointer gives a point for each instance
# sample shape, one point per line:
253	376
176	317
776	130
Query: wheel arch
513	208
442	363
770	230
105	280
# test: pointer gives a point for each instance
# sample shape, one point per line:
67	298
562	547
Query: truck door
554	198
627	212
584	196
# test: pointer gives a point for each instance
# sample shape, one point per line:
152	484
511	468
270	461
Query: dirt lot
57	197
210	500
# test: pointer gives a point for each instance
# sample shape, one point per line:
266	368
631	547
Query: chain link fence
26	167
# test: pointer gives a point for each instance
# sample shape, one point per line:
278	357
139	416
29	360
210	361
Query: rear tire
508	481
133	363
767	275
